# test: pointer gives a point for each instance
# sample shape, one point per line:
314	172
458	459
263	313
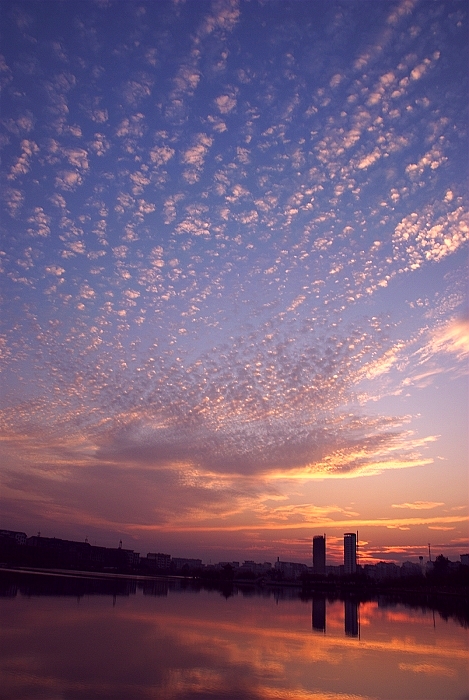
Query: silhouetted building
410	568
335	570
255	568
14	536
179	563
157	560
319	554
382	571
350	553
290	569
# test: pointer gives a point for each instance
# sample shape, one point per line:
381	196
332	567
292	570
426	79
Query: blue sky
234	257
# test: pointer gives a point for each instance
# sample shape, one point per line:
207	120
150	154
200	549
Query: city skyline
318	564
234	275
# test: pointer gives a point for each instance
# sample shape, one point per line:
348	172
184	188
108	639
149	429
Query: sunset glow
234	276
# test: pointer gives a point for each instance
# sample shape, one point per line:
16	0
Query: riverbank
358	588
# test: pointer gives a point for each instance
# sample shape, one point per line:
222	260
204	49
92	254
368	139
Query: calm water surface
66	638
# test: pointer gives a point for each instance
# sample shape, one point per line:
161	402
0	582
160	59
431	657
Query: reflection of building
351	618
350	553
319	613
319	554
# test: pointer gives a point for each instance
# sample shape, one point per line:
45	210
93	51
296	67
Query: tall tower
319	554
350	553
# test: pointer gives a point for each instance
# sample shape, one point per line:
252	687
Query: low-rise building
17	537
157	560
178	563
334	570
410	568
382	570
255	568
290	569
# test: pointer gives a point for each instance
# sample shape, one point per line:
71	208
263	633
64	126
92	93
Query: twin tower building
350	553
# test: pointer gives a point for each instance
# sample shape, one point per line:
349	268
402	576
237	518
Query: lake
70	638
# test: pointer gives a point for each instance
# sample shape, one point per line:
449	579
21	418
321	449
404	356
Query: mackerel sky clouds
234	257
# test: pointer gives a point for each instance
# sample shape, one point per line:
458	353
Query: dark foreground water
68	638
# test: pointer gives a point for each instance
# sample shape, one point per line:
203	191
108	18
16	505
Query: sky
234	275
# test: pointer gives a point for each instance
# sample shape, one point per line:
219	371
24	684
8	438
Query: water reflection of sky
182	645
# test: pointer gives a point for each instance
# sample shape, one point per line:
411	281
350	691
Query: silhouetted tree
440	565
227	572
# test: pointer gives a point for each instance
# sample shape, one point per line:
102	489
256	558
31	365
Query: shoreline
337	587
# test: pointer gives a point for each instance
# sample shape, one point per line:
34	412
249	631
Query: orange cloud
418	505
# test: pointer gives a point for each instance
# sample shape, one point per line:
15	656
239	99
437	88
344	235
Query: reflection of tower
319	613
319	554
351	618
350	553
